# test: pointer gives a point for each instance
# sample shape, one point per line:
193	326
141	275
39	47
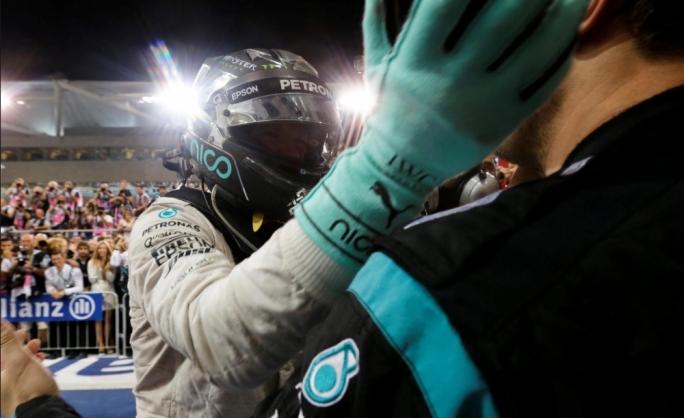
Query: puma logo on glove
381	191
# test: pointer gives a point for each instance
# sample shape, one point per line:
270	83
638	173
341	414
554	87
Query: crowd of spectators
59	241
60	208
36	265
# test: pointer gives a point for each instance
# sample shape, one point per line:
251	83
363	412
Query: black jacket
46	406
565	293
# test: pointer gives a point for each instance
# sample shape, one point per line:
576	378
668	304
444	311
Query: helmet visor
298	127
300	142
294	107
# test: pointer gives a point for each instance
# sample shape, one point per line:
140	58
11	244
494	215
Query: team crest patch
327	379
168	213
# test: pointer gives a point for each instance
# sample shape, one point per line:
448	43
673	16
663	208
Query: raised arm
237	324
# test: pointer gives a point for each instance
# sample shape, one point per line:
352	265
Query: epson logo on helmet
245	92
207	157
304	85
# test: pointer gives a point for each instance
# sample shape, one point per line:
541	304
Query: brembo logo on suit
220	165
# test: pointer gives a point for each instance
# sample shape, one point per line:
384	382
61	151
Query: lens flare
6	100
172	93
357	101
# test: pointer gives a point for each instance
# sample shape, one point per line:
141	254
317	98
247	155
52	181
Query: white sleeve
115	259
6	265
78	281
92	271
49	279
237	324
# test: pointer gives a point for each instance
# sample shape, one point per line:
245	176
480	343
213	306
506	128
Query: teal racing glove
461	76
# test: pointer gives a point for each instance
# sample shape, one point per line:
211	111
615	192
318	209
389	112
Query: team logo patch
327	379
168	213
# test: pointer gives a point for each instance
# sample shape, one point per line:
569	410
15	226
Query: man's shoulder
73	270
39	256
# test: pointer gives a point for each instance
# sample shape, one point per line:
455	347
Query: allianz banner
45	308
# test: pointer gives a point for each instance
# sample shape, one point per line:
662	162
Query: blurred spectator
59	244
92	207
162	191
38	200
107	225
20	215
92	245
7	265
120	257
17	193
73	243
72	197
83	255
124	193
109	241
142	200
41	241
83	220
33	275
6	220
64	280
51	192
118	205
98	223
126	222
103	197
60	214
85	329
101	273
39	222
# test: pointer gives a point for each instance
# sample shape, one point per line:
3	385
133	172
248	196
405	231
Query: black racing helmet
268	132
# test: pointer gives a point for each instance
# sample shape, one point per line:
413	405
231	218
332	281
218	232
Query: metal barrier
61	338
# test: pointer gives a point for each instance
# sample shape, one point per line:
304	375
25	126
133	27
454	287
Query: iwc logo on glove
327	379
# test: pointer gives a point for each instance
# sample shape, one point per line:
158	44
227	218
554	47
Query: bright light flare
177	98
6	100
357	101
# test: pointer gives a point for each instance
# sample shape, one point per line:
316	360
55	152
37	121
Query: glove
461	76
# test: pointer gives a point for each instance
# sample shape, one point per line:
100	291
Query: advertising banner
45	308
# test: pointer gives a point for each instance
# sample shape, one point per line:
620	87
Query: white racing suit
209	337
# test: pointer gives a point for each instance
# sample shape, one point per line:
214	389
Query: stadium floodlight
6	100
178	98
356	100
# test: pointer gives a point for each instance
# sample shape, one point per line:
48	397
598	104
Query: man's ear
597	12
599	27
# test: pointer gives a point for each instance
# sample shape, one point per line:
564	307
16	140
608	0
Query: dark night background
108	40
